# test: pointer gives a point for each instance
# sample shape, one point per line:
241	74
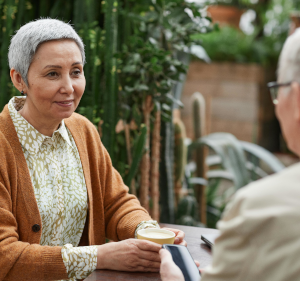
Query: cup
156	235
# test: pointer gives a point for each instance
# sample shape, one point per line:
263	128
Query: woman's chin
64	114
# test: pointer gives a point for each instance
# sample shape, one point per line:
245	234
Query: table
197	248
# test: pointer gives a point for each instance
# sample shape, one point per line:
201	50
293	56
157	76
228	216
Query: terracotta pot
225	15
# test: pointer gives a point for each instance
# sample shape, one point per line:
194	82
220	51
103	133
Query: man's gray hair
289	60
27	39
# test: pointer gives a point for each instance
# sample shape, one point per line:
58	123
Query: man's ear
17	80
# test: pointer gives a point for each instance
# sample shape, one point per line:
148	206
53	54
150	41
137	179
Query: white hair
30	36
289	60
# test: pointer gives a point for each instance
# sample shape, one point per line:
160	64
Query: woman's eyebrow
77	62
52	66
58	66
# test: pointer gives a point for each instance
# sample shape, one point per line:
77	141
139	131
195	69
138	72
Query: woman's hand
129	255
179	238
169	271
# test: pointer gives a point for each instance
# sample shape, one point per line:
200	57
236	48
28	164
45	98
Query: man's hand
129	255
179	238
169	271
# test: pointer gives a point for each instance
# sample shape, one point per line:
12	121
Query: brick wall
233	94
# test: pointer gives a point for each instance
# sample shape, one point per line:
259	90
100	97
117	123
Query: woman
58	189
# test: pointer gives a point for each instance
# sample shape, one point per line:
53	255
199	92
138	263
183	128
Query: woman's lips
64	103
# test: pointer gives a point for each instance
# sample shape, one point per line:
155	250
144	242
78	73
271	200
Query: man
260	230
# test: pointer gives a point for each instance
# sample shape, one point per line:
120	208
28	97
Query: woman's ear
17	80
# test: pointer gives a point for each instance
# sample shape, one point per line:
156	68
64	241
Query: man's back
260	232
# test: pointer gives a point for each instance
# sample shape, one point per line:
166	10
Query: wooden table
197	248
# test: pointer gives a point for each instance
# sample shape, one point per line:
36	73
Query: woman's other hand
179	238
169	271
129	255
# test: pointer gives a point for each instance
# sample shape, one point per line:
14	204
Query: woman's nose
67	85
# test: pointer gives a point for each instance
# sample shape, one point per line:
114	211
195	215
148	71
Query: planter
225	15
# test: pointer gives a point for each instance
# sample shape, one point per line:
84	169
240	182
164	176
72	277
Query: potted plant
227	12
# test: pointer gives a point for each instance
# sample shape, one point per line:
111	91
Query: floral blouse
60	190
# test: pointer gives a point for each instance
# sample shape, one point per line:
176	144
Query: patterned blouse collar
30	138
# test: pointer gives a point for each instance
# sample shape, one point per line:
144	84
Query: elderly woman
58	189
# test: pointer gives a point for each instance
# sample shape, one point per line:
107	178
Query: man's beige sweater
113	213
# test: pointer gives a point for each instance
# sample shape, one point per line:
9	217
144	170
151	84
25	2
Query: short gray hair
289	60
27	39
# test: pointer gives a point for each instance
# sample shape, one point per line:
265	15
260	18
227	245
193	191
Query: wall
237	100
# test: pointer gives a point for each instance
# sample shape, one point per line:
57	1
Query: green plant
232	165
187	211
296	5
149	69
270	30
135	50
230	44
180	156
199	123
110	95
138	148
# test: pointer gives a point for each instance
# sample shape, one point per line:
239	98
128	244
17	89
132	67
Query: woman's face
56	81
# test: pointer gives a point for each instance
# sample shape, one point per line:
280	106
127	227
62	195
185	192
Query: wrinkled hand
129	255
179	238
169	271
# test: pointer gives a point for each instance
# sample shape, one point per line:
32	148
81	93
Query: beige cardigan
113	213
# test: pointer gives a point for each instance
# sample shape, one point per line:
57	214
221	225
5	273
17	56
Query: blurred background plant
258	38
253	32
137	55
231	45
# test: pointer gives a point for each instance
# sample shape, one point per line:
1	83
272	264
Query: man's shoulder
281	189
270	201
282	182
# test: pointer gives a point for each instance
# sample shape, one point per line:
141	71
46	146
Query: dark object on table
183	259
209	239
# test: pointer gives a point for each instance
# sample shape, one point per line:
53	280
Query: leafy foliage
147	70
133	50
230	44
154	33
270	29
237	163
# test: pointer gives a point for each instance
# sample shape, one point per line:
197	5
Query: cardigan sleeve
123	211
32	261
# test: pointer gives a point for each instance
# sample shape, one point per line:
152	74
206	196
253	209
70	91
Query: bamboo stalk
145	165
155	159
129	156
110	65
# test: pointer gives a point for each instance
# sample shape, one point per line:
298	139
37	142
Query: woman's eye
76	72
52	74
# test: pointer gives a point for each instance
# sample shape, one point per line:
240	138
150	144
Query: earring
22	93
